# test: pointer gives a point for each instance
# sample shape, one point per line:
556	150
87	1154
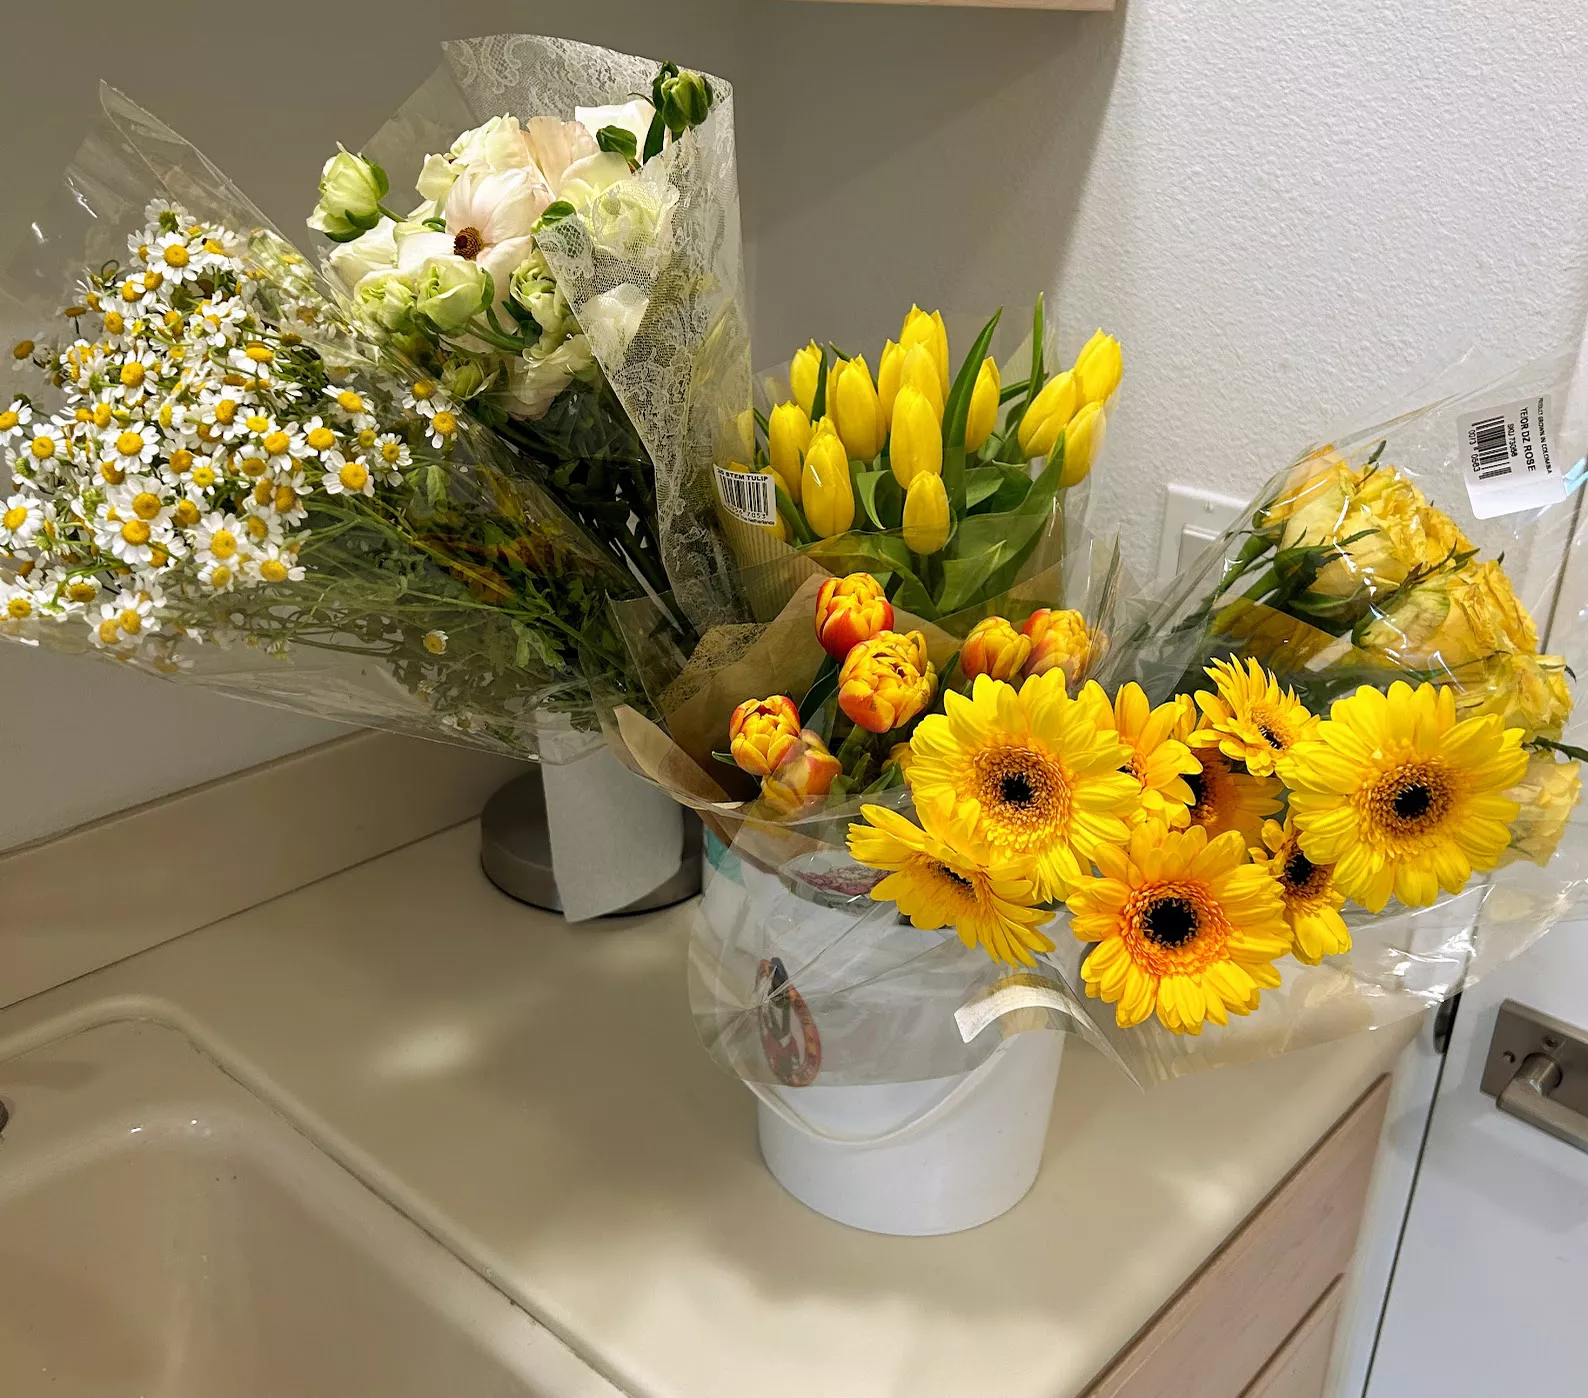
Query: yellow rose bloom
1547	794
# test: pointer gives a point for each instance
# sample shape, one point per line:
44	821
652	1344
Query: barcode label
1505	453
749	496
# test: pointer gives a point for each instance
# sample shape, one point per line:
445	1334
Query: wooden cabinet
1258	1320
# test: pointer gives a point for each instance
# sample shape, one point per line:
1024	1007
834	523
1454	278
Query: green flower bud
686	101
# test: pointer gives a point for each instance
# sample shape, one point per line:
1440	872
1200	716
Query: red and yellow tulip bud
994	648
919	371
1049	414
1058	641
805	774
1098	368
825	492
890	369
803	373
788	433
851	610
853	403
1083	440
886	681
983	415
926	515
761	733
929	332
916	445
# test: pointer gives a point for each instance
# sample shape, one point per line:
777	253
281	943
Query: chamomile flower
273	565
138	372
71	592
172	255
352	407
318	438
140	497
393	454
443	429
18	602
15	421
287	494
132	540
426	398
261	527
21	518
218	539
347	477
131	445
227	411
134	612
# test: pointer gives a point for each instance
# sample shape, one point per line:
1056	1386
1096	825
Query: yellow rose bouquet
1322	783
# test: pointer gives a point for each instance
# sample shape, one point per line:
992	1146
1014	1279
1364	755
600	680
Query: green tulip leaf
881	498
956	411
996	488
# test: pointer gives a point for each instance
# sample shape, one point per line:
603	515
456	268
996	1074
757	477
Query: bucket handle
920	1122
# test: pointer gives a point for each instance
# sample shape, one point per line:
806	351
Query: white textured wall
1280	208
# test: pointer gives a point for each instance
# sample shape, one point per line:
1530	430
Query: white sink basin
166	1234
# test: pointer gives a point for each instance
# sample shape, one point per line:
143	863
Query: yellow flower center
391	452
444	423
256	422
129	443
130	291
115	322
108	631
172	320
286	499
181	460
8	420
220	575
321	438
152	280
254	467
204	477
226	411
423	390
175	256
272	570
101	414
111	473
1024	795
129	621
260	354
19	607
82	590
145	505
353	476
349	402
135	532
42	447
1174	927
223	544
14	518
258	529
1406	802
187	513
22	349
276	443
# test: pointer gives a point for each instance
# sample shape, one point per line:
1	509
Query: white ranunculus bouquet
570	277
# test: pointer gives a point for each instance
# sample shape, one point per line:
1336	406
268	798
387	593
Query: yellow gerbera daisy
1312	903
1185	926
1251	719
1401	796
939	884
1223	799
1159	761
1024	775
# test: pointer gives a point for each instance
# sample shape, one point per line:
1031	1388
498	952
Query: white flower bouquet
570	278
210	472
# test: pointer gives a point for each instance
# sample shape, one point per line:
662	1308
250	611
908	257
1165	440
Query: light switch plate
1192	519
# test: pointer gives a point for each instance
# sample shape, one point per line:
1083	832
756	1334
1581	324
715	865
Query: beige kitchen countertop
534	1096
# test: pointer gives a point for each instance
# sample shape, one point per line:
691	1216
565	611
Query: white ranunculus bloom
632	116
629	220
385	297
535	380
612	319
449	290
536	290
490	218
375	250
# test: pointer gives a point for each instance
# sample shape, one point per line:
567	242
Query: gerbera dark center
1412	802
1016	789
958	880
1299	869
1199	788
468	244
1170	922
1270	737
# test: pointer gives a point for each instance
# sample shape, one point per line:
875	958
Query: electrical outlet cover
1193	517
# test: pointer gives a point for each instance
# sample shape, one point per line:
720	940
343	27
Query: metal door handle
1537	1071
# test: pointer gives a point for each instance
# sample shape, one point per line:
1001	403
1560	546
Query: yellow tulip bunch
928	465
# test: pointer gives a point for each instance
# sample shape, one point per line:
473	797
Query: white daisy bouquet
210	473
569	278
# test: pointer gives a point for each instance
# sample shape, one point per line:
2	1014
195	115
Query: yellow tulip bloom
1098	368
802	375
926	514
983	416
919	370
929	332
890	369
1083	440
1049	414
788	434
828	497
854	407
917	441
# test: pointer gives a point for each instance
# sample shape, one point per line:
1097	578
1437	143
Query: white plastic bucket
918	1158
